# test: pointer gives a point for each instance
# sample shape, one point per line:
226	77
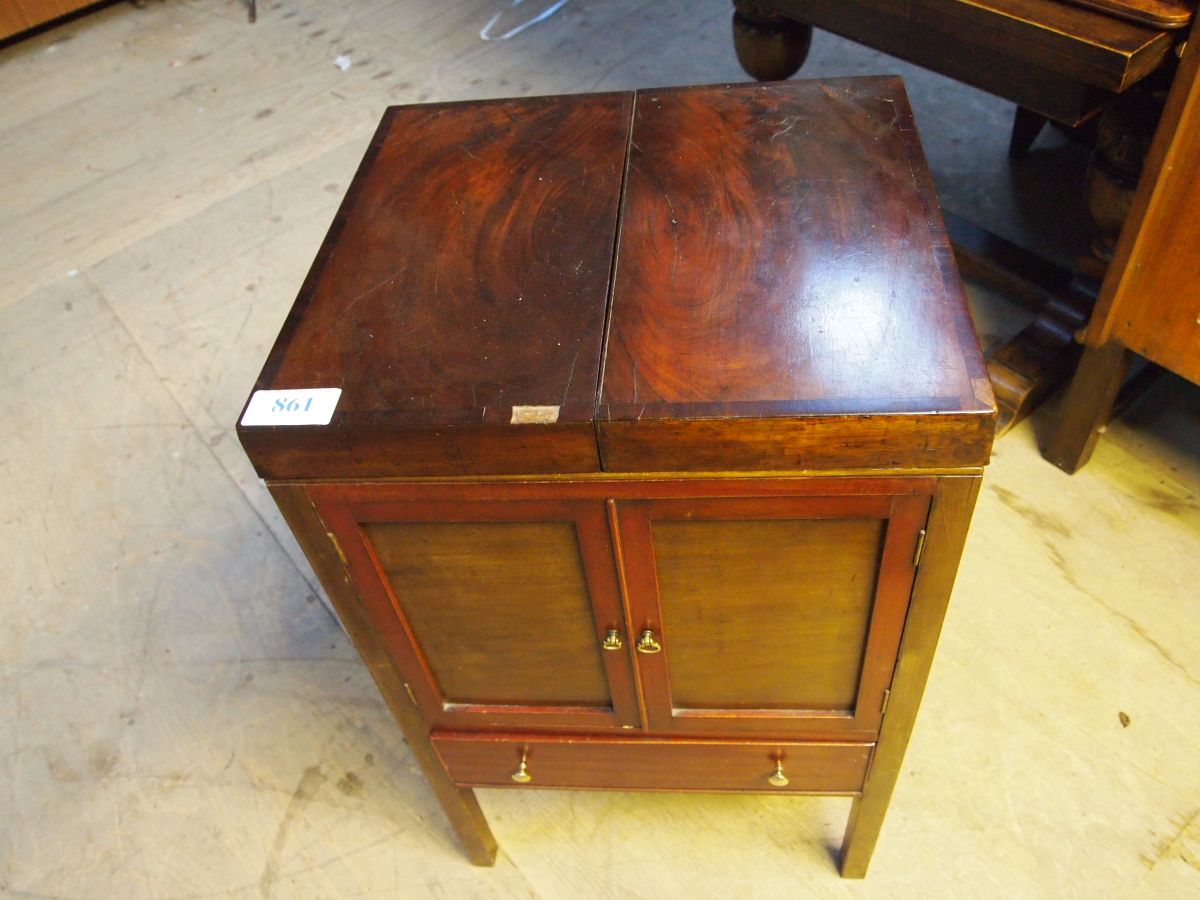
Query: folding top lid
784	294
458	301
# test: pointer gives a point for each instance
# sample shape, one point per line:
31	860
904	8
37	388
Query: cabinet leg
949	518
1087	406
459	804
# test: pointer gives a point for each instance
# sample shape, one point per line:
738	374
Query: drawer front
646	764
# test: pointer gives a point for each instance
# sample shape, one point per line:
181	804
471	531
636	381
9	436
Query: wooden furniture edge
1109	66
459	804
17	23
949	520
1148	14
1152	191
953	440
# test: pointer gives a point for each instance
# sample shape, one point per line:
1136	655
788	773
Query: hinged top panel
785	294
458	301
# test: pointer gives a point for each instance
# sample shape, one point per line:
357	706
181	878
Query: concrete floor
179	715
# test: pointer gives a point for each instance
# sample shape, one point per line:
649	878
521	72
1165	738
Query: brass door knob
647	644
522	776
778	779
612	640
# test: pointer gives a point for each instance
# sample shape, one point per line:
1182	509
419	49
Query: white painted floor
179	715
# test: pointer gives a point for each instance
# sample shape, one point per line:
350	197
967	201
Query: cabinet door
769	614
494	612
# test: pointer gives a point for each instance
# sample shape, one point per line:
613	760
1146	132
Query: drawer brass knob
778	779
522	776
647	644
612	640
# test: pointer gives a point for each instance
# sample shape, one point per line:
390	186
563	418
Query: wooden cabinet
749	607
661	421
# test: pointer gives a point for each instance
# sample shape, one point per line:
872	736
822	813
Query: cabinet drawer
647	764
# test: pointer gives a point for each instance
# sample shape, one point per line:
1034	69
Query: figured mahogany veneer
454	286
784	295
662	419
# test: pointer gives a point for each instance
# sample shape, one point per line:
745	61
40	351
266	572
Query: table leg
1087	406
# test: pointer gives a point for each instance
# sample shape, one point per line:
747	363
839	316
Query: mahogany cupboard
647	430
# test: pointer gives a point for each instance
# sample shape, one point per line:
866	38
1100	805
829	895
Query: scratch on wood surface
570	375
390	278
790	122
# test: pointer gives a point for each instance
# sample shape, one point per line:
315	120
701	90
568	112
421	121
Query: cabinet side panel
459	804
1150	300
946	533
1159	311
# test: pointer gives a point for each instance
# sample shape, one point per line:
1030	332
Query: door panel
790	600
779	615
494	612
457	585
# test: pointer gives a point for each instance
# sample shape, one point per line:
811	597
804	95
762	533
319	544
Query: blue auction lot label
309	406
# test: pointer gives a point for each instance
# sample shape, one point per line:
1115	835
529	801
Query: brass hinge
887	695
341	553
920	547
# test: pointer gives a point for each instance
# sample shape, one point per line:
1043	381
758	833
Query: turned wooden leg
1087	406
769	46
1027	125
949	518
459	804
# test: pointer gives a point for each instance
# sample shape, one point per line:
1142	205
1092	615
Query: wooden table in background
1150	300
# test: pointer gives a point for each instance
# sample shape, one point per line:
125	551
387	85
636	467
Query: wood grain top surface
781	253
467	271
779	257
